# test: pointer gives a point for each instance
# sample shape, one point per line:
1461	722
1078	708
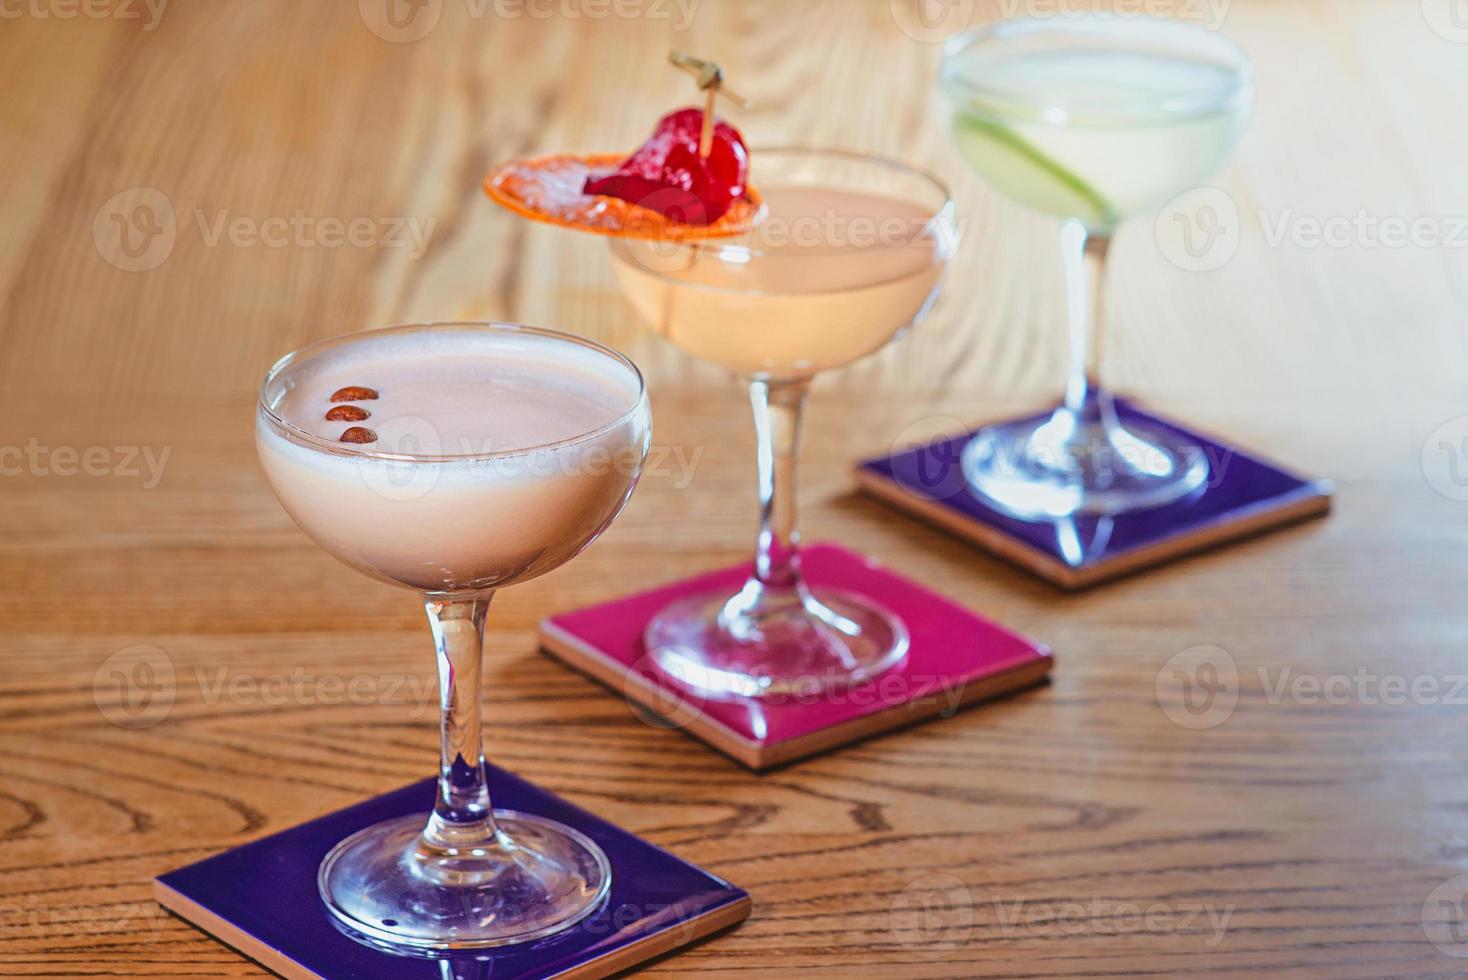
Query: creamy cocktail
828	276
456	459
776	264
497	454
848	252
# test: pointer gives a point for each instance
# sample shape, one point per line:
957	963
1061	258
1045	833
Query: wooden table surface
1074	830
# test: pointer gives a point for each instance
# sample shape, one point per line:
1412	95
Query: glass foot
386	886
1070	464
753	645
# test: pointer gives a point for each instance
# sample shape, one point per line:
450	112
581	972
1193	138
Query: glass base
387	887
1073	464
758	645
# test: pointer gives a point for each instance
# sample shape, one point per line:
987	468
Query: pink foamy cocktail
498	454
456	459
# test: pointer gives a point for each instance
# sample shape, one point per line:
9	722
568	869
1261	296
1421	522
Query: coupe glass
455	527
1091	119
849	253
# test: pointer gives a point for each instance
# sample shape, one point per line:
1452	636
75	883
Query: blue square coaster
262	900
1244	496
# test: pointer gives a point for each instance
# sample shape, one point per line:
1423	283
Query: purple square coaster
955	659
1244	496
261	899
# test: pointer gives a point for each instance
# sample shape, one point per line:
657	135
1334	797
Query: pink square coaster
955	659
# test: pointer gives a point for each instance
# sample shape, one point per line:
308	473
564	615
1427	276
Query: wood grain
1319	829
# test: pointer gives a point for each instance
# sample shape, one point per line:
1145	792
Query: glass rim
733	244
1102	24
339	448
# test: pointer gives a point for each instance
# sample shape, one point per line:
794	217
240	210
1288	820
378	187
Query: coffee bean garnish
352	393
357	434
348	413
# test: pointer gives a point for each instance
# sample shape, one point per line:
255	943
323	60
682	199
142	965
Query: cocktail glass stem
779	412
1087	418
1084	256
462	817
776	587
1082	460
471	878
775	635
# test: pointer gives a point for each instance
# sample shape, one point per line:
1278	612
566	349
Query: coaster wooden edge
579	655
759	756
663	941
898	716
1310	501
230	934
990	539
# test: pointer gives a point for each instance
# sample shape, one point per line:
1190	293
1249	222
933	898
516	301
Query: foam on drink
499	454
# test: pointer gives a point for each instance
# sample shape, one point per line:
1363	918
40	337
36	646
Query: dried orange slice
548	189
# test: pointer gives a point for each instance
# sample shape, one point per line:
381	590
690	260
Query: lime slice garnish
1024	172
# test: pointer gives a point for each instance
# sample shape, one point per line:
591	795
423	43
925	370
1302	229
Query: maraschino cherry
667	174
694	168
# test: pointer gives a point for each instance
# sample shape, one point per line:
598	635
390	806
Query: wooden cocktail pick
710	79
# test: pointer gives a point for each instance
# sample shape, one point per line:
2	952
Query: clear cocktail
1091	119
